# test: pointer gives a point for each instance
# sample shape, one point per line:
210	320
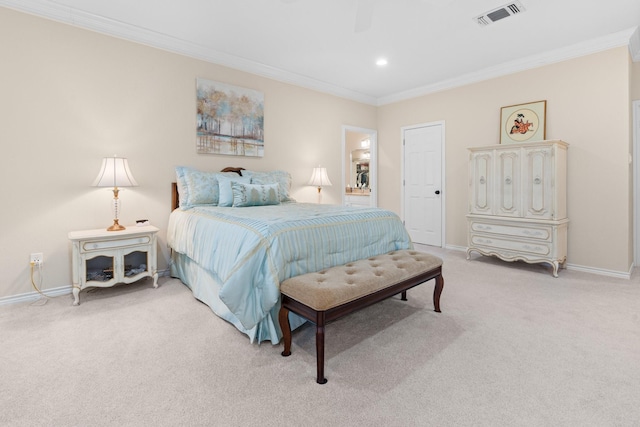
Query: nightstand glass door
100	269
135	263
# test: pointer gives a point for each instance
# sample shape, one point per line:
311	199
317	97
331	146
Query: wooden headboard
175	197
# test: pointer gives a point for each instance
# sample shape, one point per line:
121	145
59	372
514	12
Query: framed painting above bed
230	119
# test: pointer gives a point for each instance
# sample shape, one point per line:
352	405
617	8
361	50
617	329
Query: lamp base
116	226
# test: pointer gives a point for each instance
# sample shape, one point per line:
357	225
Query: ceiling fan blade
364	15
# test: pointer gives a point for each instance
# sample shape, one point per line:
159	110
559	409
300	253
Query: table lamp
319	178
115	173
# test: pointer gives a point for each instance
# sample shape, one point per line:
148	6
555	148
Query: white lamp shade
319	178
115	172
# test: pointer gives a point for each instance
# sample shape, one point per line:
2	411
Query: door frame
636	182
373	162
443	193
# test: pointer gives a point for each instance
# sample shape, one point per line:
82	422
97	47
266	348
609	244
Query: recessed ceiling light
381	62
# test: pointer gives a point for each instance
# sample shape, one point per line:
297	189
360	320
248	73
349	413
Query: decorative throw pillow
282	178
226	194
196	187
254	194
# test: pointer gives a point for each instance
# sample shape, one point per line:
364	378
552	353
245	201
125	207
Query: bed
234	258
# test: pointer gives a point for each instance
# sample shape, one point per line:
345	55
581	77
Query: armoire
518	202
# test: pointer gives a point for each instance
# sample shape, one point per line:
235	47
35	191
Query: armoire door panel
482	188
538	184
508	183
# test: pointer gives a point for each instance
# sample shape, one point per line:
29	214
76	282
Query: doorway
359	166
423	199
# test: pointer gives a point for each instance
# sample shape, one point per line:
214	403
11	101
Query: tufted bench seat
335	292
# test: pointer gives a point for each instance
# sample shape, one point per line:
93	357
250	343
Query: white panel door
423	183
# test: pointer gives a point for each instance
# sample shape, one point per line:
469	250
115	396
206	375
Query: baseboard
601	271
33	296
53	292
574	267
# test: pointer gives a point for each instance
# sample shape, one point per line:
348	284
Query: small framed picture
523	122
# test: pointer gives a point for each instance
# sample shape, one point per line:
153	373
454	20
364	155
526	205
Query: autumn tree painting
230	120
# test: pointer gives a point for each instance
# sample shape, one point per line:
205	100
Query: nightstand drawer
99	245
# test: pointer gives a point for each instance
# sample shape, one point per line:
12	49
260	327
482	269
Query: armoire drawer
520	246
537	232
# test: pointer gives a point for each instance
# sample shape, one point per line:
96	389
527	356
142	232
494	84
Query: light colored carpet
513	346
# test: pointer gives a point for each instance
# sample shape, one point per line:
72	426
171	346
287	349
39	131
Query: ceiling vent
499	13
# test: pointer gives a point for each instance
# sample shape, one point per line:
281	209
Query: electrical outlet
37	258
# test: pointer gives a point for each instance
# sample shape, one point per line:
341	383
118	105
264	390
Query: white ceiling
430	44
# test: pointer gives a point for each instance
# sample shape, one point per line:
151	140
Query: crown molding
634	45
78	18
557	55
51	10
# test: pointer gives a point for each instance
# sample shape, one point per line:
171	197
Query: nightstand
103	258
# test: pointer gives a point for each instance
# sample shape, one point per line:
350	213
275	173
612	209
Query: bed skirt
205	288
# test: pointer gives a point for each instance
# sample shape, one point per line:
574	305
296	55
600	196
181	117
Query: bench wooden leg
283	318
320	348
437	290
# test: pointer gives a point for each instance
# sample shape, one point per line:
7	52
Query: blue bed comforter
251	250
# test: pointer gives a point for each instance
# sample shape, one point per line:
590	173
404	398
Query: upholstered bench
335	292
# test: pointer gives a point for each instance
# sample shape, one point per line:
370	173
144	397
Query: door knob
437	191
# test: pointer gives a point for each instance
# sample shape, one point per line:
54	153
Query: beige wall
587	106
70	97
